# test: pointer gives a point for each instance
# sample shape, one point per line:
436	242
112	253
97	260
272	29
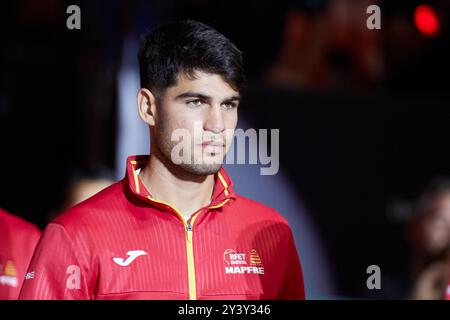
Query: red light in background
426	20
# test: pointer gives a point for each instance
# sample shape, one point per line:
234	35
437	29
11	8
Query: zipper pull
189	232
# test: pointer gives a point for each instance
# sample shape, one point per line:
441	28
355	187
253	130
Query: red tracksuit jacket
123	244
18	239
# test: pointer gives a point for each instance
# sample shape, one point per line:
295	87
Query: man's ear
146	106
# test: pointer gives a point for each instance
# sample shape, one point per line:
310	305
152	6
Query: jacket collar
223	190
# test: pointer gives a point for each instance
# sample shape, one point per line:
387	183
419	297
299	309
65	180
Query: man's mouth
213	143
213	146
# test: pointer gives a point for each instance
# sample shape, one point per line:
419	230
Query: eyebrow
192	94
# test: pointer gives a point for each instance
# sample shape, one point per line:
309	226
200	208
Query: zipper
189	232
190	257
188	226
189	247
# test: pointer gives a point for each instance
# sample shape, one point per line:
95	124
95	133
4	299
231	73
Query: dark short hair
187	46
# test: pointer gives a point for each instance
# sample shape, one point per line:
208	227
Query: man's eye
230	105
195	103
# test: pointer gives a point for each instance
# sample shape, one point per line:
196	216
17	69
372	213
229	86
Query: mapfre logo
242	262
8	274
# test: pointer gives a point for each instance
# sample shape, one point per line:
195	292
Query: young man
173	229
429	235
18	239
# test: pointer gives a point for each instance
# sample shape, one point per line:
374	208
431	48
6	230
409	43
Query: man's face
200	115
436	225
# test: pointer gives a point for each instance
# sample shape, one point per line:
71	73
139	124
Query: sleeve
58	269
293	286
29	239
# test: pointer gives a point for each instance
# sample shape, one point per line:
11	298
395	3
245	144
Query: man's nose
214	121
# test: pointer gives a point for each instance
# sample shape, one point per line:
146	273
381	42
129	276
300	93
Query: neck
185	191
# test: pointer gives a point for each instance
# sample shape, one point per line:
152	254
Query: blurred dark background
364	115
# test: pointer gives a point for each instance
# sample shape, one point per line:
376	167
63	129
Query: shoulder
258	211
259	223
99	206
18	225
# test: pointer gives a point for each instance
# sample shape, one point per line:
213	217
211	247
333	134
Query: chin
202	169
